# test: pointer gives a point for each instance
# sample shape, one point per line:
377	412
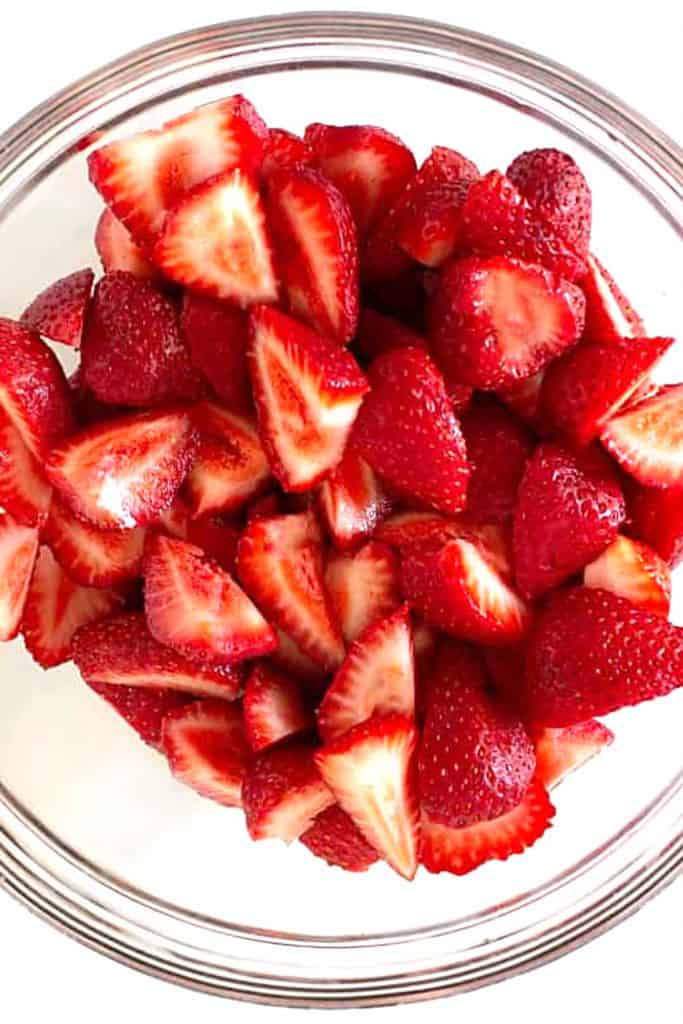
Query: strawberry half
24	491
92	557
363	587
124	472
284	149
142	709
283	792
657	519
58	313
18	552
334	837
351	501
556	188
634	571
377	675
317	250
216	335
561	751
274	708
194	606
307	392
207	749
609	314
498	448
647	440
117	250
378	334
370	771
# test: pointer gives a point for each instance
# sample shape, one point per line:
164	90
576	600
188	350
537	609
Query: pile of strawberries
361	504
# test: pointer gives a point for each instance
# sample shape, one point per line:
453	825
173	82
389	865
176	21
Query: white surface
634	971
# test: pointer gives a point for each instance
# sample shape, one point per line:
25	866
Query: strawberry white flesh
647	441
634	571
18	551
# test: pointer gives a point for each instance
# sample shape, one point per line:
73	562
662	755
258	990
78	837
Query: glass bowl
95	835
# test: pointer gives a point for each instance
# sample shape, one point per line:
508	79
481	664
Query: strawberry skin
498	448
334	837
634	571
284	149
363	587
92	557
117	250
352	501
609	314
18	552
216	335
647	440
273	708
556	188
24	490
561	751
143	709
657	519
58	313
283	792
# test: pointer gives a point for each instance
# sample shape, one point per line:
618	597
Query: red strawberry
408	433
370	771
524	397
216	335
561	751
18	551
569	509
378	334
352	501
307	393
283	792
58	313
632	570
368	165
363	587
207	749
24	491
196	607
495	321
142	177
461	850
555	187
117	250
585	388
230	466
34	393
334	838
280	565
657	519
377	675
498	448
284	149
120	652
143	709
124	472
609	314
273	708
217	538
498	220
215	241
647	440
291	659
316	246
592	652
92	557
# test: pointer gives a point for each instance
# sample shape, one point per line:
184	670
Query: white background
631	974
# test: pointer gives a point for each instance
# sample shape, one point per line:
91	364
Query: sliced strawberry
316	247
126	471
217	335
120	652
524	397
556	188
217	538
609	314
274	708
283	792
307	392
461	850
117	250
495	321
207	749
378	334
24	490
284	149
58	313
647	440
92	557
142	177
280	565
18	552
142	708
334	838
291	659
498	448
363	587
657	519
561	751
352	501
632	570
196	607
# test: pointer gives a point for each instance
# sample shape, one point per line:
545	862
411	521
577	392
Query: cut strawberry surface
283	792
647	441
274	708
216	334
207	749
92	557
634	571
334	837
561	751
143	709
370	771
317	252
555	187
284	149
609	314
24	491
58	313
307	392
498	448
118	251
18	552
363	587
657	519
194	606
352	501
378	334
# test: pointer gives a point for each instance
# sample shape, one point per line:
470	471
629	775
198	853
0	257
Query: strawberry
124	472
142	708
553	184
363	587
370	771
58	313
57	607
18	552
498	448
207	749
121	653
496	321
307	392
352	501
142	177
561	751
217	538
368	165
584	389
92	557
316	246
273	708
524	397
334	837
634	571
408	433
377	675
24	491
569	509
215	241
132	351
461	850
378	334
194	606
230	465
117	250
647	440
592	652
498	221
609	314
34	393
284	149
216	335
291	659
657	519
280	564
283	792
